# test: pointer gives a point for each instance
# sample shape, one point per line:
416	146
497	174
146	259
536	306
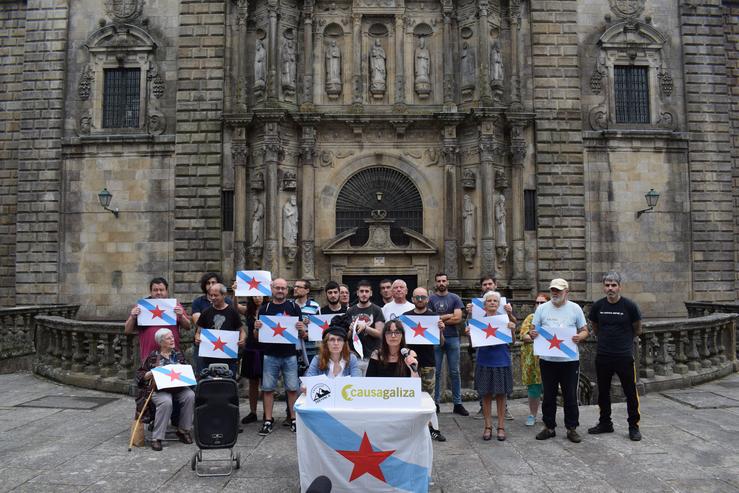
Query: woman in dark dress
251	365
387	360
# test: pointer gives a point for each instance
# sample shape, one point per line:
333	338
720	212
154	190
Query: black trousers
605	368
553	376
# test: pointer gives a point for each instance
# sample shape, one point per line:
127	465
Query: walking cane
138	420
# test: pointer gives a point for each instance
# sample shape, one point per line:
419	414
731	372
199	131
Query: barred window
227	210
632	94
121	98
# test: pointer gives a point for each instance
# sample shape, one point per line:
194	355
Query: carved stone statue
378	71
500	214
468	221
290	222
496	65
467	58
256	224
288	66
260	69
422	68
469	180
333	69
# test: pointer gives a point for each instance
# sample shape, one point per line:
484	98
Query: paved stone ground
691	444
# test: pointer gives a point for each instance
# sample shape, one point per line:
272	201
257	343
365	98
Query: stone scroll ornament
333	69
288	66
260	67
378	72
422	69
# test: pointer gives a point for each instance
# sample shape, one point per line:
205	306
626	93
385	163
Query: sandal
488	433
501	434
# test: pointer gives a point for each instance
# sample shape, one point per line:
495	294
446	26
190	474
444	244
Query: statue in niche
377	69
333	69
422	68
468	221
467	58
288	66
496	65
290	222
256	224
500	214
260	71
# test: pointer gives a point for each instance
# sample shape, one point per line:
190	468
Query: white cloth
394	310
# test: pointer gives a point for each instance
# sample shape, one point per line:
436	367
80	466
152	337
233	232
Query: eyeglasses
300	287
393	333
420	298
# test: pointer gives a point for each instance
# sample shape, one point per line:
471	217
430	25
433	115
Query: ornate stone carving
469	179
468	252
433	156
260	67
469	221
86	79
85	124
254	257
257	221
242	8
327	158
488	256
290	222
518	151
667	121
501	254
500	220
156	81
599	72
627	8
156	123
378	72
288	73
270	255
257	182
239	154
308	261
124	10
467	59
501	179
422	66
289	181
333	69
598	117
496	66
450	258
665	82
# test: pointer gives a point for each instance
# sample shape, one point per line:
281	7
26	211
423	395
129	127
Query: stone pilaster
447	8
483	48
308	198
399	66
239	157
272	47
308	55
273	154
357	59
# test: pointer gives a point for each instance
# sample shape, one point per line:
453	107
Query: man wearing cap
559	371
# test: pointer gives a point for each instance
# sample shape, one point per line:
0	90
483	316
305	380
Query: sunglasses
420	298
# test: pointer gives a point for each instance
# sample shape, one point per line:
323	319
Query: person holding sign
559	363
165	355
530	374
278	357
493	372
389	360
334	358
220	316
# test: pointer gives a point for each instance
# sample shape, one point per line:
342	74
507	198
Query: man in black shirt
220	316
334	306
616	321
367	320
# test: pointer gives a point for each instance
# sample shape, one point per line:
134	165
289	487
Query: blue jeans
273	366
451	349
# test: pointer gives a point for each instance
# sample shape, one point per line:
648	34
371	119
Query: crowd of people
615	320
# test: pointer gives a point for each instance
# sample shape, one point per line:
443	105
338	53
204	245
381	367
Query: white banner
556	341
478	311
278	329
490	331
157	311
219	344
170	376
421	329
253	283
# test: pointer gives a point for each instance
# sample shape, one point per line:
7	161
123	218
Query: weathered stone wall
708	107
731	16
12	39
558	147
39	152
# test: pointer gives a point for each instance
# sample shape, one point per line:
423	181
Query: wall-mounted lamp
652	198
379	194
104	198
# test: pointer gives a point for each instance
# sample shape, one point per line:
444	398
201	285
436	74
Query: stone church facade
338	139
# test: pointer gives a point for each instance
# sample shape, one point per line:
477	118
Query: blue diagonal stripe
337	436
146	304
478	302
164	371
482	326
427	334
562	347
212	338
271	324
315	320
263	289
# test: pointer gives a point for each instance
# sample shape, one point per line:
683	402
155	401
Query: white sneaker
530	420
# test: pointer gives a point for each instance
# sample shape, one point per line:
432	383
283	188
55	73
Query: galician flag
219	344
155	311
556	341
356	341
421	329
253	283
364	452
170	376
278	329
478	307
317	324
490	331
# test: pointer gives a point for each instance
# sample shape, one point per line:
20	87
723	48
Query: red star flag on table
478	310
490	331
253	283
557	342
171	376
317	324
157	311
278	329
219	344
421	329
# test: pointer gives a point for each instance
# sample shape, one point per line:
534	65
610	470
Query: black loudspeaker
216	420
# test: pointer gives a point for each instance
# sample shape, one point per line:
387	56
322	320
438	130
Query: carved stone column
399	65
520	279
450	153
307	228
515	13
239	153
357	59
272	50
309	56
483	43
273	154
447	9
487	181
238	61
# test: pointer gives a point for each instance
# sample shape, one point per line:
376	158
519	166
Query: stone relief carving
290	229
156	81
157	122
469	179
258	181
85	124
308	261
501	254
288	65
433	156
496	65
257	220
488	255
501	180
86	79
450	258
124	10
327	158
598	117
599	72
422	59
289	181
333	69
468	221
378	72
627	8
665	82
500	219
260	68
667	121
467	58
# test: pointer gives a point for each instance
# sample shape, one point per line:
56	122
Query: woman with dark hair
334	358
251	364
387	361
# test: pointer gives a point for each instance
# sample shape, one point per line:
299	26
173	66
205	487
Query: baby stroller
216	419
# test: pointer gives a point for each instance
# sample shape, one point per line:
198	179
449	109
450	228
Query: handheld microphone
405	352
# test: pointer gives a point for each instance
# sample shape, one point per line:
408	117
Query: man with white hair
560	371
220	316
399	304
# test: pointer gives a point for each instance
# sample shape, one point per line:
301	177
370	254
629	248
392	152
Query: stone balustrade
17	333
701	308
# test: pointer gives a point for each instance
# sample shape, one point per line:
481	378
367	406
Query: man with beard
333	306
220	316
367	320
386	291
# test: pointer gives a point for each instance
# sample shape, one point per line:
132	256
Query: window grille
121	98
632	94
379	188
529	207
227	210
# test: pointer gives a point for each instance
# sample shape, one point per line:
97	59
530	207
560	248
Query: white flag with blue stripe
421	329
170	376
219	344
557	342
490	331
157	311
253	283
278	329
478	307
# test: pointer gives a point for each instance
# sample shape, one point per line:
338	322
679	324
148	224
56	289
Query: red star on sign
157	312
279	329
366	460
253	284
218	344
554	342
324	326
173	375
418	330
490	331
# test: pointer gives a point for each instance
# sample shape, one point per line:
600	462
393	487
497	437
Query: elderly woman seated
334	358
162	399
